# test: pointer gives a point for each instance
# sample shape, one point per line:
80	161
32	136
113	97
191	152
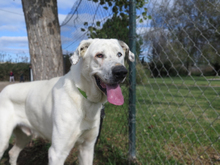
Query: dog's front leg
86	153
64	138
60	148
86	149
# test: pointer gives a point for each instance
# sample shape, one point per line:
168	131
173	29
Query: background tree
116	27
43	30
191	32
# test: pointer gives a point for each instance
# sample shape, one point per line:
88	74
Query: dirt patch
35	153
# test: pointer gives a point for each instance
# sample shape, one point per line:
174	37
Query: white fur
55	109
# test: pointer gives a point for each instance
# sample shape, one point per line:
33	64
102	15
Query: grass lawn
176	122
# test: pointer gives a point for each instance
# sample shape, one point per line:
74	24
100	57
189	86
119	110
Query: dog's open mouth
112	91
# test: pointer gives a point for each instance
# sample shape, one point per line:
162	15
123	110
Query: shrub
17	68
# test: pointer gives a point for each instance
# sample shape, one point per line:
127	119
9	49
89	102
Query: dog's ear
127	51
80	51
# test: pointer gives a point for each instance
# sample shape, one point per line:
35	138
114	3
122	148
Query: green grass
176	122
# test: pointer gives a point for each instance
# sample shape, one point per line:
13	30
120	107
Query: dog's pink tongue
114	94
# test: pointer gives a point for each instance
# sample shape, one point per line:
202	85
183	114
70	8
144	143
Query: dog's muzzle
113	90
119	73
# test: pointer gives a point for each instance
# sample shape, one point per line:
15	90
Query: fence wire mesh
177	75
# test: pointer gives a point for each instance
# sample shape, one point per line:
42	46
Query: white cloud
79	19
65	4
9	28
61	18
65	39
142	30
11	19
14	45
71	42
14	51
10	3
13	34
12	23
13	39
13	28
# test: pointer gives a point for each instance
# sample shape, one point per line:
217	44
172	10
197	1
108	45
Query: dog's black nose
119	72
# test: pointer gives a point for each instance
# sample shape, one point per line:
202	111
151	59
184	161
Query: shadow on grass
34	154
5	157
37	153
109	154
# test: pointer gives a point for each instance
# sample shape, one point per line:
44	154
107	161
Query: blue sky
13	34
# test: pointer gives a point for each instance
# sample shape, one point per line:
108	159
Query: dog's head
103	64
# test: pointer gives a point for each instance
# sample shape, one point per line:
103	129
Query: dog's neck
92	92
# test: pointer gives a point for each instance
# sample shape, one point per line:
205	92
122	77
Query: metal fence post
132	81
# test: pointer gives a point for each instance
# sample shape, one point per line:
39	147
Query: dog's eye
119	54
100	55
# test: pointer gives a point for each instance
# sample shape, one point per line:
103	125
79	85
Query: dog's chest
89	130
90	121
90	124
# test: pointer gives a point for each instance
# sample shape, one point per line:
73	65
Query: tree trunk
43	30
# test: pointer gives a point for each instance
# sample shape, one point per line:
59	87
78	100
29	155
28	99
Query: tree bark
43	30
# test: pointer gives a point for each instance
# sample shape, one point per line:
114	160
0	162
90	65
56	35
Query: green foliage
112	28
166	69
192	42
117	25
142	74
16	68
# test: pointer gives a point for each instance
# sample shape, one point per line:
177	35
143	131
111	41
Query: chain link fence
177	76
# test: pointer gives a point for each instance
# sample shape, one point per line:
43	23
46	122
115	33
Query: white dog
65	110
